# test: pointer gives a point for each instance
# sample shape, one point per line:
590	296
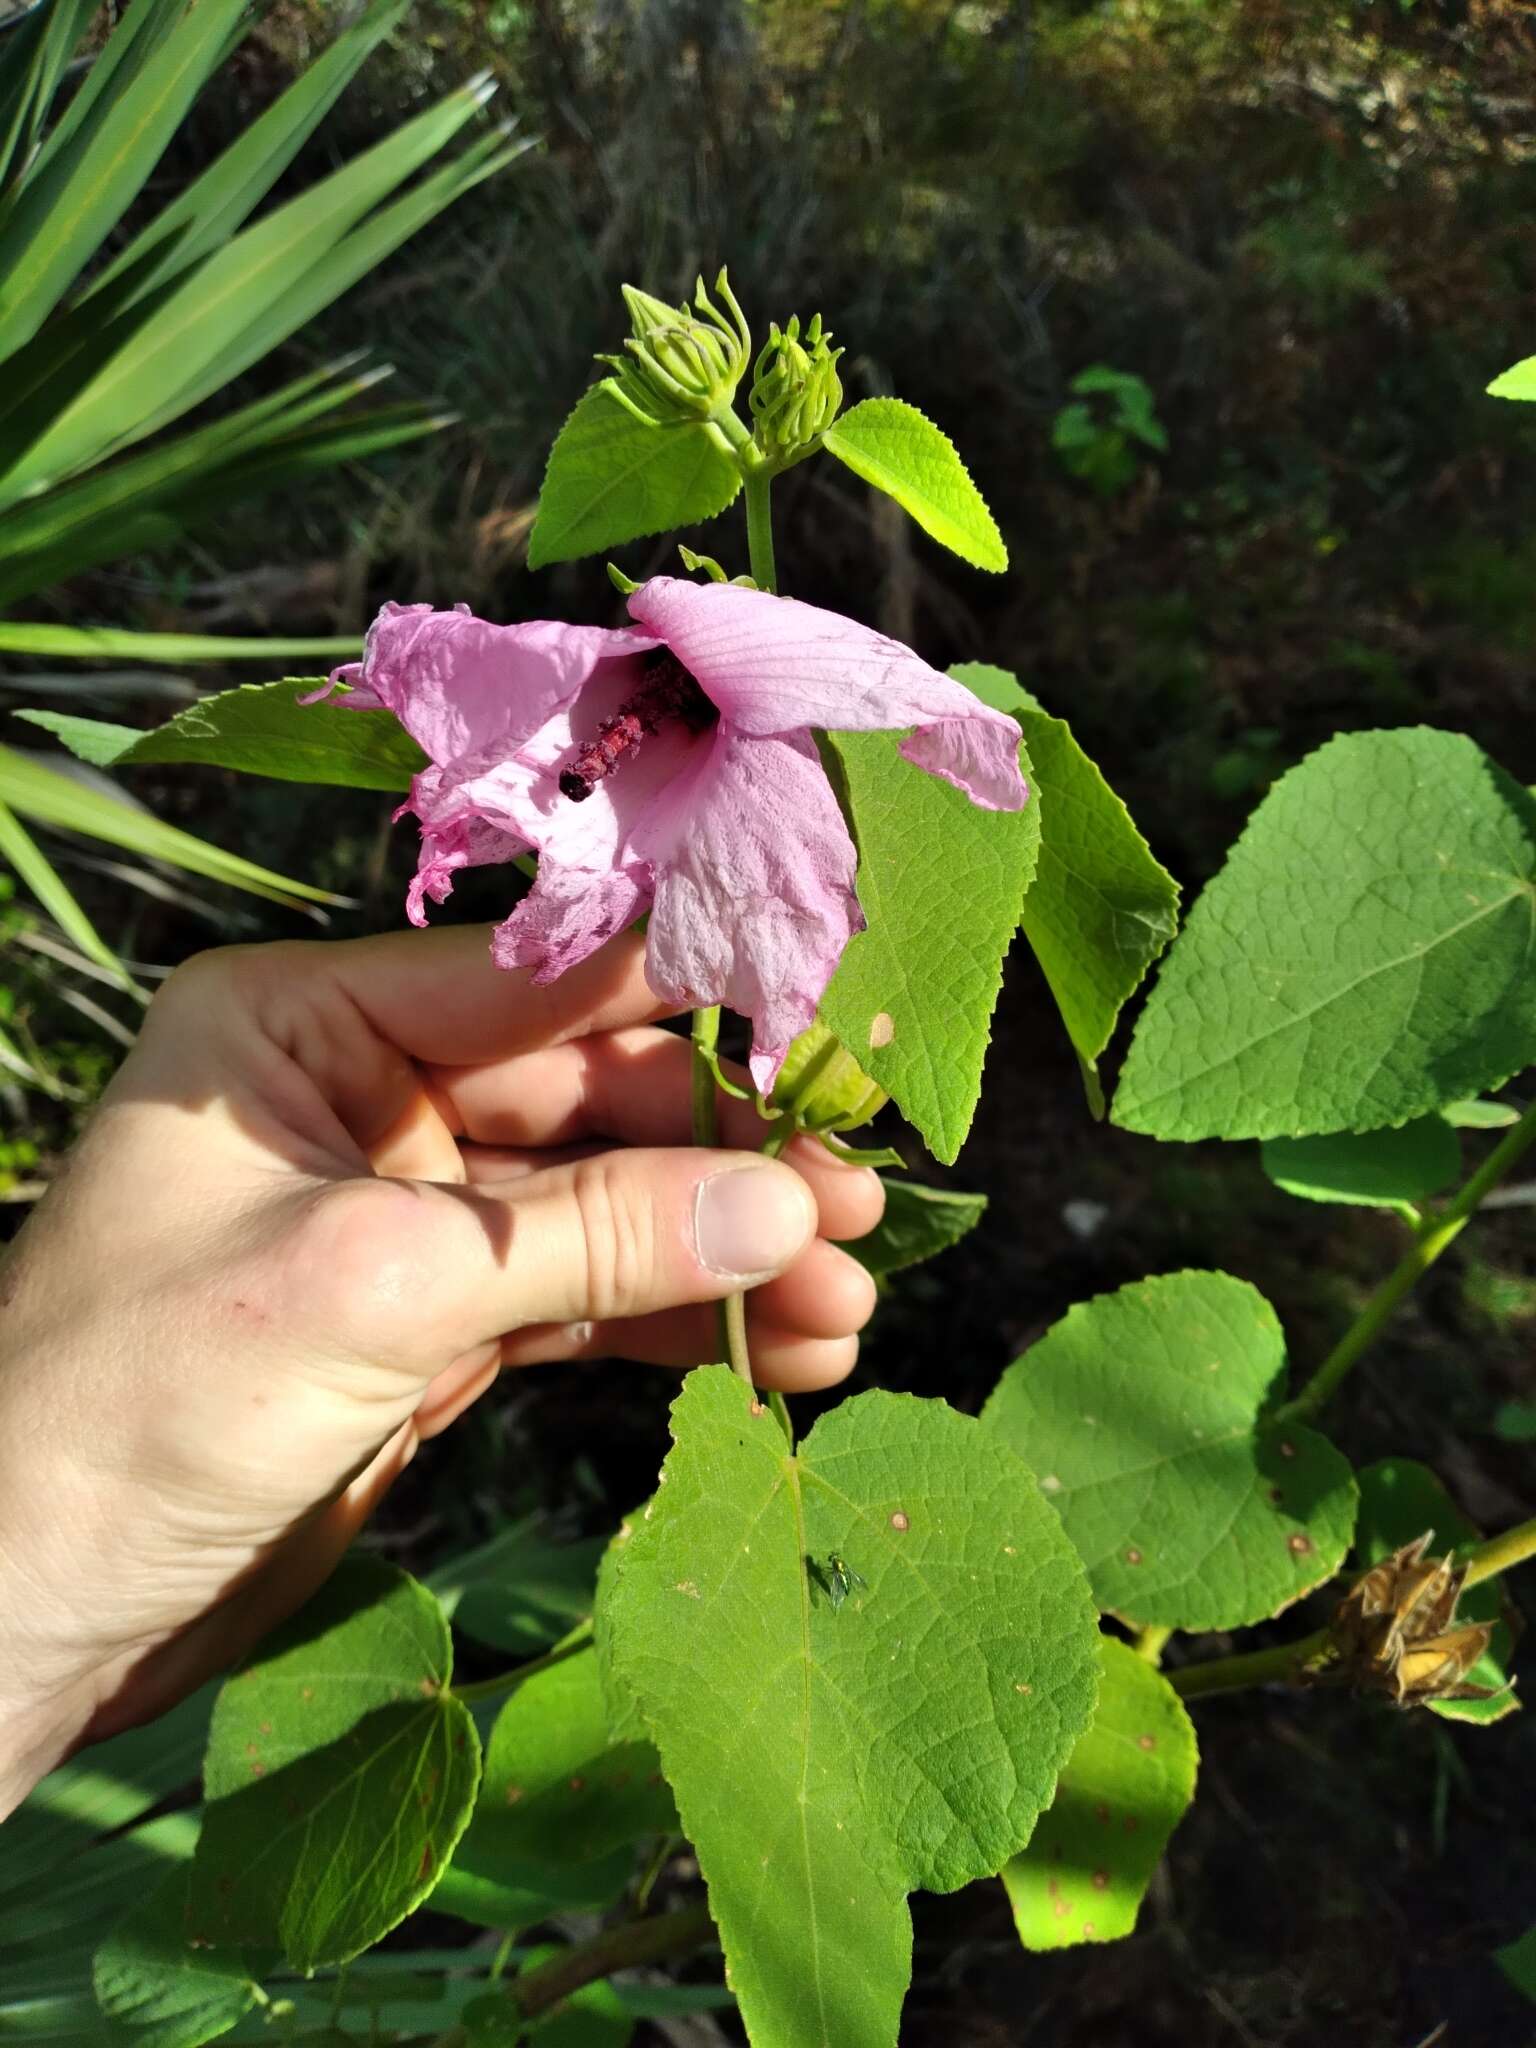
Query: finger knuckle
359	1260
618	1234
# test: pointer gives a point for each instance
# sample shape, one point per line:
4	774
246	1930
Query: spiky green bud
680	364
796	391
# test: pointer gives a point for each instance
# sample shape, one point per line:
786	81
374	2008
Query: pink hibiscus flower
669	767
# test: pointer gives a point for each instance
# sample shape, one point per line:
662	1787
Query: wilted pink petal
774	665
460	685
568	914
754	887
689	784
454	835
977	756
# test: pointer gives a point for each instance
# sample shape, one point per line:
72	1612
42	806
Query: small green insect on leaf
836	1578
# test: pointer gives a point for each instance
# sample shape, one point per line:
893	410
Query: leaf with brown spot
1135	1765
1189	1507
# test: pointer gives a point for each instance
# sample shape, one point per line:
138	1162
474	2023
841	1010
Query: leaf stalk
1434	1236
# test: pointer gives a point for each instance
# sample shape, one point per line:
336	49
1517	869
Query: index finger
437	996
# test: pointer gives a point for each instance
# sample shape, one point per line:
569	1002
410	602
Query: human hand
333	1190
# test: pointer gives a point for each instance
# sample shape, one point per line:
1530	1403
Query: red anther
667	692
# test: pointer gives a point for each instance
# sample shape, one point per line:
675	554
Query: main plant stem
655	1940
706	1131
1434	1236
760	529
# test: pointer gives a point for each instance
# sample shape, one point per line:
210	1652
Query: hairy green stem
618	1948
760	528
1435	1235
1499	1553
508	1681
706	1131
1282	1664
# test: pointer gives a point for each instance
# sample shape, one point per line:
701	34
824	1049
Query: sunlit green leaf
830	1758
611	479
107	643
898	450
19	850
912	999
43	794
1121	1794
259	729
1101	907
1363	957
1147	1413
1520	382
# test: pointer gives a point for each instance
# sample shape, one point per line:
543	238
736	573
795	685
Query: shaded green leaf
1391	1169
898	450
1520	382
561	1802
259	729
1148	1414
340	1775
1121	1794
610	479
1363	957
913	995
102	1791
828	1760
918	1224
155	1990
519	1591
1515	1422
1518	1959
1101	907
1399	1500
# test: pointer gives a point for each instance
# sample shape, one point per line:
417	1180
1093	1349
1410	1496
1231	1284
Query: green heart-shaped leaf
1147	1413
863	1662
340	1775
1363	957
1121	1794
611	479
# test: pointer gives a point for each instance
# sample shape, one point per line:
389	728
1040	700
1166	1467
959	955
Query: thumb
621	1233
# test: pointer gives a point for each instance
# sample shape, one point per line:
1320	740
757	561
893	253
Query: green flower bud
680	365
823	1087
796	390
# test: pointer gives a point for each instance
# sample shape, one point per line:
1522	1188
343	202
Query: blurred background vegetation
1207	292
